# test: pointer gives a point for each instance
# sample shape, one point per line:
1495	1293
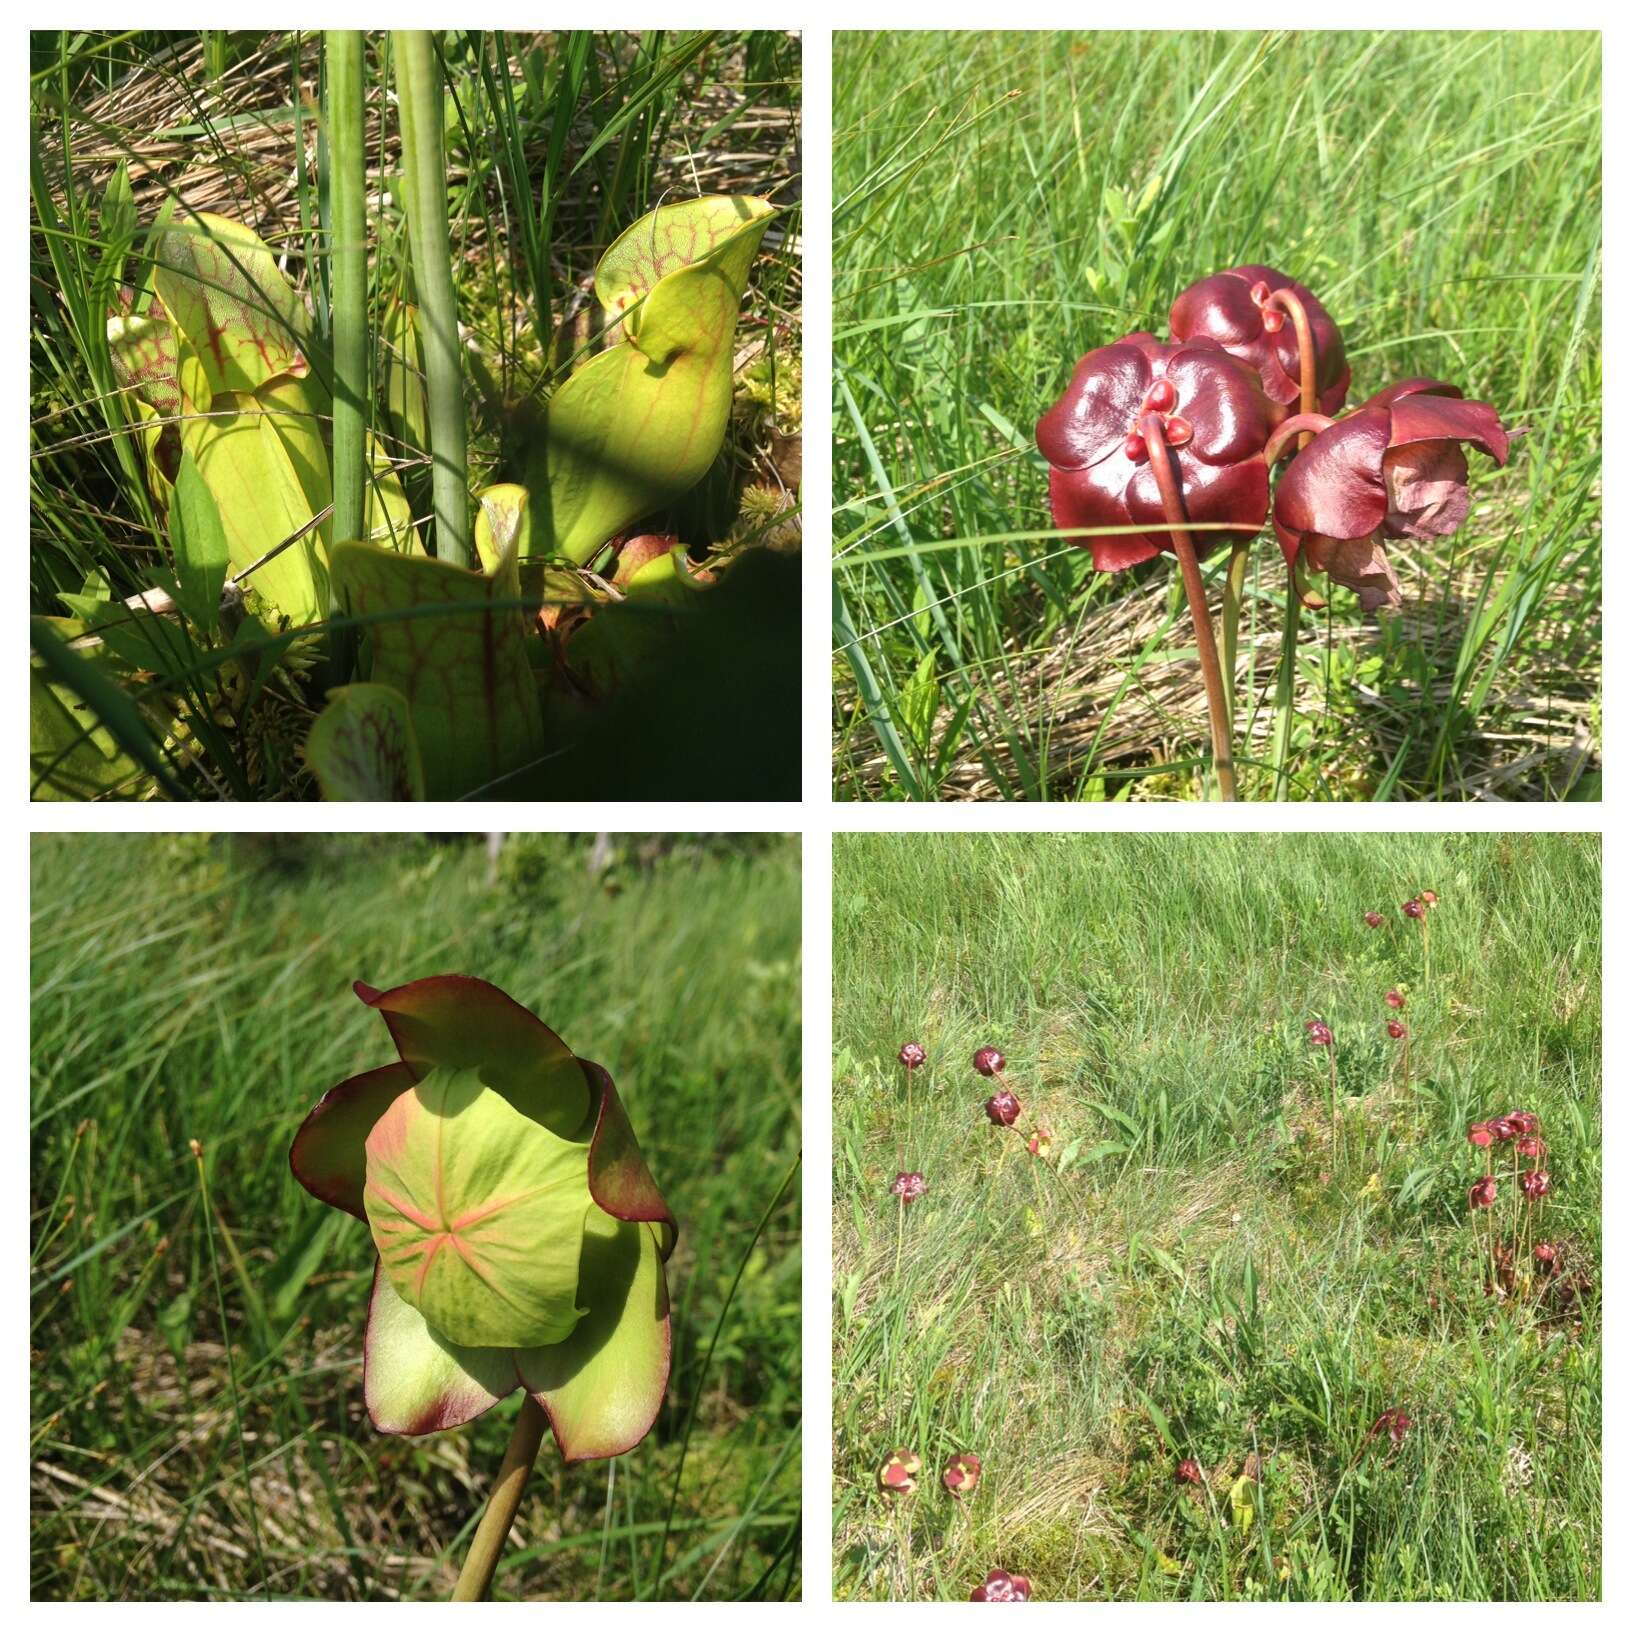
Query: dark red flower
988	1061
1040	1141
1536	1183
1320	1034
1429	899
1413	908
1531	1146
1188	1472
1394	1000
1229	308
1003	1108
962	1473
1524	1121
1479	1134
1216	420
909	1186
1392	469
1394	1422
1396	1030
1503	1128
1374	920
899	1476
1000	1587
1483	1193
1547	1256
912	1055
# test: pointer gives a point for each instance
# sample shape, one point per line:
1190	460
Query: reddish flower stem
1302	426
1161	465
1293	307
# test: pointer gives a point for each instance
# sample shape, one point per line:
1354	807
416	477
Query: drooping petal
1092	417
1334	487
415	1382
478	1212
602	1388
619	1179
1427	489
1361	564
328	1155
1093	498
1417	385
1427	418
457	1021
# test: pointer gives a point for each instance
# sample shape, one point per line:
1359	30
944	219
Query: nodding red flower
1003	1109
909	1186
1531	1146
989	1061
962	1473
1536	1183
899	1476
1547	1256
1394	1422
1374	920
1230	308
1396	1030
1483	1194
1000	1587
1479	1133
1525	1122
1038	1144
1392	469
1394	1000
1429	899
1215	418
1503	1128
1188	1472
912	1055
1413	908
1320	1034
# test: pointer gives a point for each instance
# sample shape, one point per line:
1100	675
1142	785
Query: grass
555	143
197	1421
1190	1274
1007	202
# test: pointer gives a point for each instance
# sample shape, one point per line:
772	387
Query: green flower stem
476	1578
348	261
419	95
1332	1061
1206	649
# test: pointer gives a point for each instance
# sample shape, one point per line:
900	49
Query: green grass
1190	1274
197	1420
555	143
1007	202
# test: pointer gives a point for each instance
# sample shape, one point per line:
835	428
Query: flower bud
1483	1193
1396	1030
1535	1184
1188	1472
988	1061
1412	908
1003	1109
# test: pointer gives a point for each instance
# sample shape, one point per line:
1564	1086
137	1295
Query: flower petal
1335	485
1427	489
1095	411
1093	498
1359	563
602	1388
1223	401
327	1155
457	1021
1425	418
416	1382
1237	494
618	1176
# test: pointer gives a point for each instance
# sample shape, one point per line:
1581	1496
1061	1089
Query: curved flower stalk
520	1239
1392	469
1164	436
640	424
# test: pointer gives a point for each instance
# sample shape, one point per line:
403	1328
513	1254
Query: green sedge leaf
478	1212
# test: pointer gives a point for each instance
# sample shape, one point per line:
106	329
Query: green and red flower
520	1239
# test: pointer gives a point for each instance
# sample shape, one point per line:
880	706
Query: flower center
1162	398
